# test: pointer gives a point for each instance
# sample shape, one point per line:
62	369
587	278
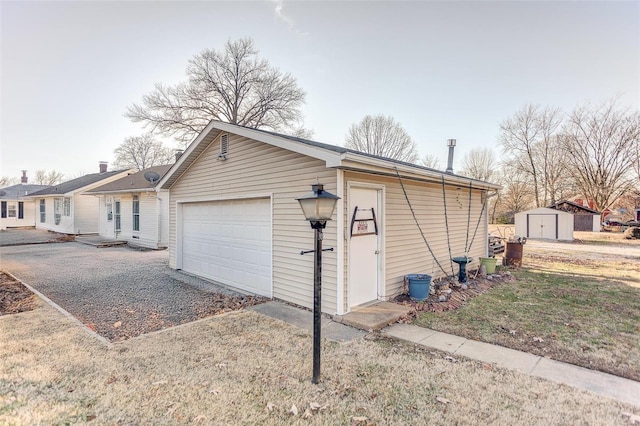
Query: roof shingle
77	183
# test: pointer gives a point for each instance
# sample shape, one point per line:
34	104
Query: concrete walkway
608	385
302	318
98	241
604	384
373	317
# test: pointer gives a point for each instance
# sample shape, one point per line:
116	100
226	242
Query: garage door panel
230	242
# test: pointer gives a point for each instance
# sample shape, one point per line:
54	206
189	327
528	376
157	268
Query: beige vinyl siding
254	169
405	251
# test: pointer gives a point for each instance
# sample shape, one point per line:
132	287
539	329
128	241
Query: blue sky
441	69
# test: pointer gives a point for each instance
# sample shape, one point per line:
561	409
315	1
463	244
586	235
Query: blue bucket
419	286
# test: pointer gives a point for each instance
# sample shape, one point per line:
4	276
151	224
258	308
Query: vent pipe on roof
103	166
24	178
451	143
179	153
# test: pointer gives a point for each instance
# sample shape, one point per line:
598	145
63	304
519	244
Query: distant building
16	211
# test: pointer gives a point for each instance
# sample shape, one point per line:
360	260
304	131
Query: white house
16	210
544	223
67	208
234	218
132	209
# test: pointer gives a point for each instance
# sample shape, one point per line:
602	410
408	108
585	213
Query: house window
20	210
224	145
67	207
12	210
4	209
43	215
117	216
57	210
109	212
136	213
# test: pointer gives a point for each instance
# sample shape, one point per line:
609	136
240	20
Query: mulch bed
456	299
15	297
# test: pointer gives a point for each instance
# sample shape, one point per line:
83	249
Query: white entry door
542	226
364	245
229	242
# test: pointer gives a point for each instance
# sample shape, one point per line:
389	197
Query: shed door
363	245
543	226
229	242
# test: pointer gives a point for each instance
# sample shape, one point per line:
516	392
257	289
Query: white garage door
229	242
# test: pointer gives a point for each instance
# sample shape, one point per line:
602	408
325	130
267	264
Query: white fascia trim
340	242
280	142
448	178
98	183
190	148
122	191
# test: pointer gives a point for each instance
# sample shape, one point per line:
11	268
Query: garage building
234	218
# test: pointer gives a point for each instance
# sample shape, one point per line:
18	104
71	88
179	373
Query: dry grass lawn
243	368
574	302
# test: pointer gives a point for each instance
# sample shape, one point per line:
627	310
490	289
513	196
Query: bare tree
549	155
637	169
141	152
601	146
231	85
301	132
515	195
51	177
527	141
431	161
8	181
480	164
382	136
556	179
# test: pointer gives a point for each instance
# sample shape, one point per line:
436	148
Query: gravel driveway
587	251
119	292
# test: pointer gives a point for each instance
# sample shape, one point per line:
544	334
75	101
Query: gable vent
224	145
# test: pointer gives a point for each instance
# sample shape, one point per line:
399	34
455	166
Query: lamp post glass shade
319	205
451	142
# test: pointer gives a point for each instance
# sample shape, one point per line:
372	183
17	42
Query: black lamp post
318	207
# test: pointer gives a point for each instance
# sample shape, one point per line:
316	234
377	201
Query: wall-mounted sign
363	222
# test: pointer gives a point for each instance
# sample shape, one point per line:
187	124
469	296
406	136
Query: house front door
364	244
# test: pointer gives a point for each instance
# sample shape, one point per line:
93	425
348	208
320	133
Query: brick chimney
103	166
24	178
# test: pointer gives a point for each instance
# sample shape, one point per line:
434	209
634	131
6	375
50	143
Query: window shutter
4	209
20	209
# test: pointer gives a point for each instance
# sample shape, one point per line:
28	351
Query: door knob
377	252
